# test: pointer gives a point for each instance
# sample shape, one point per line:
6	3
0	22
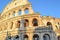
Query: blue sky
45	7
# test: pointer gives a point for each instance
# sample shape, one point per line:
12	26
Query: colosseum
18	21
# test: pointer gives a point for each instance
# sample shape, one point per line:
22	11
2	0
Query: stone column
30	36
30	23
16	13
14	24
6	16
20	36
53	36
9	25
41	36
22	24
23	12
31	10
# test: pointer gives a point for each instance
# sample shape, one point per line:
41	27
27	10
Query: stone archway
35	22
16	37
46	37
25	37
26	23
35	37
49	24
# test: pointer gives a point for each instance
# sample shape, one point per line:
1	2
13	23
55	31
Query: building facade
18	21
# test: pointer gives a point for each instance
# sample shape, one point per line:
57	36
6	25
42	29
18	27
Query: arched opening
35	22
46	37
14	13
17	37
35	37
18	24
26	23
25	37
56	26
9	37
20	12
26	10
49	24
58	37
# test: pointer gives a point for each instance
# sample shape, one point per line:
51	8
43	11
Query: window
49	24
35	37
20	12
25	37
56	26
14	13
35	22
46	37
26	23
26	11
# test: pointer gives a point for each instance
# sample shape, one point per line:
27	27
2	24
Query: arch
58	37
26	23
20	11
9	38
16	37
14	13
56	26
49	24
46	37
35	22
18	24
25	37
26	10
35	37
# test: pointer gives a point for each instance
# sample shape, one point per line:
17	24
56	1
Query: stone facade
11	24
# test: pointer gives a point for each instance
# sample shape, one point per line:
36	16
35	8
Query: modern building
18	21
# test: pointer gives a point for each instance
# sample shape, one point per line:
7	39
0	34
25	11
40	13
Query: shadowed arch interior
26	23
46	37
35	22
49	24
35	37
25	37
17	37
